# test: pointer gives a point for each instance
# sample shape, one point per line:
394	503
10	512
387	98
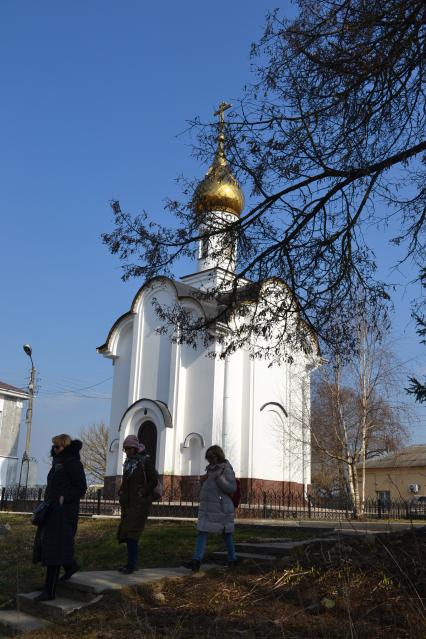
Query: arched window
148	436
194	456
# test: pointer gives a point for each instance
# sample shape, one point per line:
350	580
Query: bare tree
356	413
333	410
329	140
95	450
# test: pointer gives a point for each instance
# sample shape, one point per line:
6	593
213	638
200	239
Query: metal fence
256	505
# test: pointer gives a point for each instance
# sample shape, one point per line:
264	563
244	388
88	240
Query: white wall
8	471
269	443
299	435
10	416
153	355
235	398
221	401
197	394
120	390
193	462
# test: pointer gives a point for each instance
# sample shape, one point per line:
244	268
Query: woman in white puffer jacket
216	509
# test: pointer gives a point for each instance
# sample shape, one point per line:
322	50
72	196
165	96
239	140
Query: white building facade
180	400
11	403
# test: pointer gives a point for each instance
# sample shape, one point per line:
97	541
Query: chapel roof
210	305
214	308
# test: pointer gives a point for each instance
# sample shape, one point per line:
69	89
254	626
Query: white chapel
179	400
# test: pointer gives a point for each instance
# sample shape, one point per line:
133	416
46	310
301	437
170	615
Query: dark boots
193	565
49	591
132	557
69	571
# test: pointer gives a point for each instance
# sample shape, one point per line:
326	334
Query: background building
11	403
395	476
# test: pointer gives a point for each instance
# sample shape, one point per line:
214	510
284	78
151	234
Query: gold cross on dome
223	106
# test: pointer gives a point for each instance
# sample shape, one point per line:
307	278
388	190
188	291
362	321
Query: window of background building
383	496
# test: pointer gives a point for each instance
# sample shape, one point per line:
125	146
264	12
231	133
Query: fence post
379	508
98	508
309	507
264	505
40	491
3	492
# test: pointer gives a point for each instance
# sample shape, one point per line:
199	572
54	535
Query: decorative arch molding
192	436
109	349
276	404
147	408
113	447
180	291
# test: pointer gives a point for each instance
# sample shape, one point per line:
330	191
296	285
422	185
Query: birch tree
357	412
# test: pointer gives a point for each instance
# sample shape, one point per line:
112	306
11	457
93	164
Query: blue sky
95	95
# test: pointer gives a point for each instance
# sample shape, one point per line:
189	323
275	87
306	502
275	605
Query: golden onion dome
219	190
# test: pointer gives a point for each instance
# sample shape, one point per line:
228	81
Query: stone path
82	590
270	551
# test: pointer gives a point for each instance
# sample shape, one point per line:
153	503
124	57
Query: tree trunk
354	486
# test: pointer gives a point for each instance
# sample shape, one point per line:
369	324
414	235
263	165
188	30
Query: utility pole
29	418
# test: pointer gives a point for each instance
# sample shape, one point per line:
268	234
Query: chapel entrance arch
149	420
147	434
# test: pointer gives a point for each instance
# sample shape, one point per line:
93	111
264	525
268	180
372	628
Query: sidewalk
382	525
316	524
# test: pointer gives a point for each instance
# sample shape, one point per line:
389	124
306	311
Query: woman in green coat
136	492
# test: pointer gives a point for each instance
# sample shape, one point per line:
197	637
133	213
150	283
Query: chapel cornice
208	306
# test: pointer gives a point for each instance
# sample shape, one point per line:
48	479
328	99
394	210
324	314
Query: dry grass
162	544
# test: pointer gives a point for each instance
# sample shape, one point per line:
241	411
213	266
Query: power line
64	389
46	394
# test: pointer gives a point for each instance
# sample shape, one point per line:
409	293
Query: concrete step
71	590
55	610
82	590
261	549
279	548
246	556
99	581
15	622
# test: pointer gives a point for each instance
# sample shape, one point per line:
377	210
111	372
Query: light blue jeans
201	542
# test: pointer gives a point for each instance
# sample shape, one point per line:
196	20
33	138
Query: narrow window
204	249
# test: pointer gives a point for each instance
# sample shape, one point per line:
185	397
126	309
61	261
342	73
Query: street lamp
29	417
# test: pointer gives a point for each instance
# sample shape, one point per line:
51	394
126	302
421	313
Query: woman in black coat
136	493
54	541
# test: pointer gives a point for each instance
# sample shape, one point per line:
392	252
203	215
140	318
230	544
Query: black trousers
51	581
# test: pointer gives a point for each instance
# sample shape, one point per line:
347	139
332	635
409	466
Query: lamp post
29	417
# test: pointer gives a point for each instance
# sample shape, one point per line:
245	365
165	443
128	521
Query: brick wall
187	487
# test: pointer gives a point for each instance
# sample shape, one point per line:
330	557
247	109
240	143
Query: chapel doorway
147	434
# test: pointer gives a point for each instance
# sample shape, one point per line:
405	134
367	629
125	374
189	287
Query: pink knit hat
132	441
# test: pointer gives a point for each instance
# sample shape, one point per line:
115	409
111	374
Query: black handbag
39	516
